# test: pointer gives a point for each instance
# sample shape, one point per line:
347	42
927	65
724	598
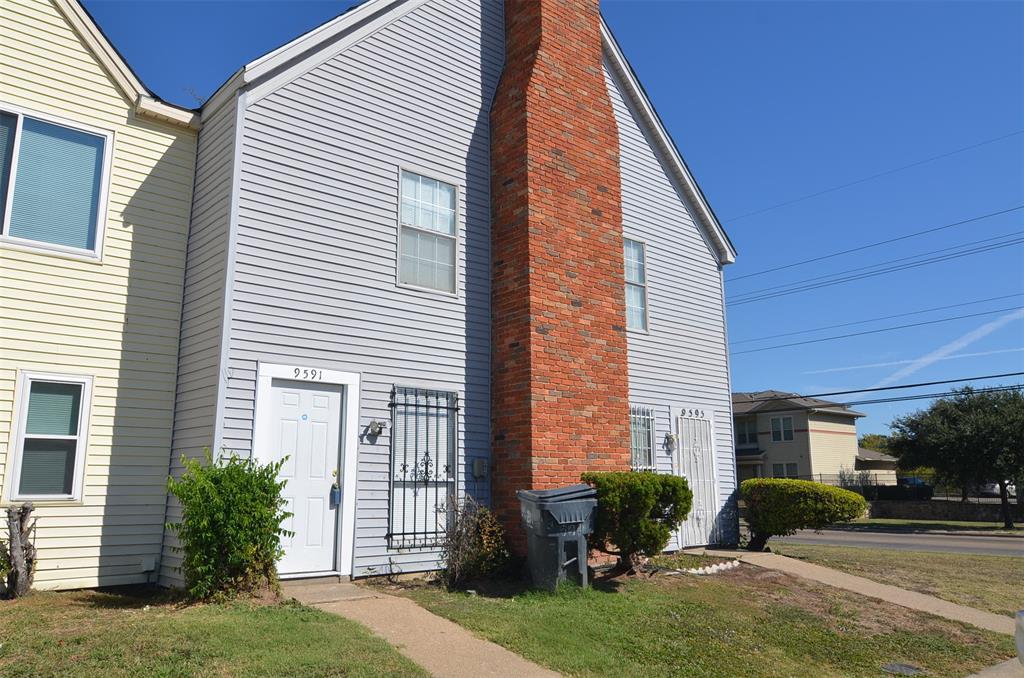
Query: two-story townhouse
443	247
784	435
96	179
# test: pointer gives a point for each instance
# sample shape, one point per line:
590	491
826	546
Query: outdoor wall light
670	442
375	428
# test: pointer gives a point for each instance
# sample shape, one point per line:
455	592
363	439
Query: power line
924	396
872	320
761	295
886	388
873	176
877	331
877	244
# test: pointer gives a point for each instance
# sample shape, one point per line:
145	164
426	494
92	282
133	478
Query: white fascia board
723	249
144	102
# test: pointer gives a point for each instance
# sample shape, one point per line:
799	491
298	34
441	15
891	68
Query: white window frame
785	470
643	412
25	380
647	302
782	429
95	254
457	237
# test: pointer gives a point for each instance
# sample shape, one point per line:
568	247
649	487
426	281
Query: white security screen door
696	457
304	425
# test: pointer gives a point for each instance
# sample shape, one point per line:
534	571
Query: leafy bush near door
230	529
778	506
474	545
636	512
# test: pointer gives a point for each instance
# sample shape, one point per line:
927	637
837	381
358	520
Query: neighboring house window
782	429
423	464
787	470
51	437
636	285
641	430
51	184
427	252
746	432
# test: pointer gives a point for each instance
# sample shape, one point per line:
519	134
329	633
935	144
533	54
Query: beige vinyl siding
833	441
792	451
115	319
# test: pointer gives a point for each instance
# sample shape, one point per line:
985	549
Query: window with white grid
641	429
427	247
636	284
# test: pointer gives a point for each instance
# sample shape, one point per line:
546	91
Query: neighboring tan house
783	435
96	179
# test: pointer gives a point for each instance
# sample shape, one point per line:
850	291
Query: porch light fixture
375	428
670	442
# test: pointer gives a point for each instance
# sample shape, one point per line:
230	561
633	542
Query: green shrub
779	506
230	530
636	512
474	545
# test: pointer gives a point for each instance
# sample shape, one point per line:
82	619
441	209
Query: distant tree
969	438
879	442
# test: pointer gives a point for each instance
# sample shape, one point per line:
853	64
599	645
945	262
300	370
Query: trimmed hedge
637	511
779	506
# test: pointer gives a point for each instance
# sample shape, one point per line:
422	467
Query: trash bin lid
568	493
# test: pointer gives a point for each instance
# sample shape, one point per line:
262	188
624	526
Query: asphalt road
949	543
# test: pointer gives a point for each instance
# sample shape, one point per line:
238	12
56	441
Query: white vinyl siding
642	440
427	250
636	284
50	437
52	183
782	429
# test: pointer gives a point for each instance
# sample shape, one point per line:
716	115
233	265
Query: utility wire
877	244
924	396
886	388
873	176
877	331
872	320
759	296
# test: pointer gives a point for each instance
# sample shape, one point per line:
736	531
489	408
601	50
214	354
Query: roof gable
146	103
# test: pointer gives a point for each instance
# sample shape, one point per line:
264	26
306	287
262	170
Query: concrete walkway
441	647
872	589
1011	668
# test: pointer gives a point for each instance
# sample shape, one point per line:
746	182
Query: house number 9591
303	373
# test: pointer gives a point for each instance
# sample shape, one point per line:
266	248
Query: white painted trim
646	329
265	374
723	248
132	88
223	371
782	429
271	72
95	254
17	436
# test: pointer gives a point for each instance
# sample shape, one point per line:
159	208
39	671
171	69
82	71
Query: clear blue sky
768	102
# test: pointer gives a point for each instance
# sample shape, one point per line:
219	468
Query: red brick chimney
560	392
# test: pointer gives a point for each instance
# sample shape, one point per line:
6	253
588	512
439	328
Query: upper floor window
50	439
427	252
782	429
51	184
641	432
746	432
636	285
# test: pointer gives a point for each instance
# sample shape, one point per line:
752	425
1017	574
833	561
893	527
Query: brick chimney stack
560	391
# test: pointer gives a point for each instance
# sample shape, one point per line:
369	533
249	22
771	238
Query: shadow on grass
131	597
920	528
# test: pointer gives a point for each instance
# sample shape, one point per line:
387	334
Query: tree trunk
757	542
963	493
22	552
1004	500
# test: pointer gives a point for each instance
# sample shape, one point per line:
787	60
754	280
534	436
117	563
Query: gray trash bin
557	524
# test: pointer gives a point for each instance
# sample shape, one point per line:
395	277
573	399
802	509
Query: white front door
304	424
697	461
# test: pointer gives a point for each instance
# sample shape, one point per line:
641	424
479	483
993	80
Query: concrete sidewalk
441	647
1011	668
873	589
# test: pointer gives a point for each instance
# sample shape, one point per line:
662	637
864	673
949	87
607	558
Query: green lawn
88	633
987	582
901	525
746	622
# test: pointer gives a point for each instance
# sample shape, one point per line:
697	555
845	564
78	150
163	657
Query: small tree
230	530
636	513
780	506
969	438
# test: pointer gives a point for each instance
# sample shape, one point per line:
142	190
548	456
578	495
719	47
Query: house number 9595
693	413
304	373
